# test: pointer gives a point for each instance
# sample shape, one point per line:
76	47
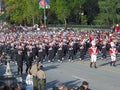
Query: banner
44	3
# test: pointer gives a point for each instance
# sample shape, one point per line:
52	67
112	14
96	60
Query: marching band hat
93	43
112	44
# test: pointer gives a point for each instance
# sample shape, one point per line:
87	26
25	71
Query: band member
82	49
93	53
113	51
104	50
71	52
60	52
51	53
40	53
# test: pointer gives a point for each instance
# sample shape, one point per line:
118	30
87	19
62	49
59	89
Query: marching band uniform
60	53
93	53
40	53
71	52
50	54
104	50
82	49
113	51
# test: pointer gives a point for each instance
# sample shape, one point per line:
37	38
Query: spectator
15	86
84	86
41	76
34	70
3	86
29	81
62	87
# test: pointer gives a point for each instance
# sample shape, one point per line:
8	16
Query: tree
22	11
108	12
62	11
75	10
91	9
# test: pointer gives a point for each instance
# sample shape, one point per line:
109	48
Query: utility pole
45	13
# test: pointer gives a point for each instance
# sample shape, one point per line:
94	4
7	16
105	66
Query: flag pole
45	13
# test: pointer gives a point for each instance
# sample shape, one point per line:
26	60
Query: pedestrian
3	86
93	53
33	71
61	86
41	77
113	51
15	86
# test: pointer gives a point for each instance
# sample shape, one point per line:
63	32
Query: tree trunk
65	23
33	20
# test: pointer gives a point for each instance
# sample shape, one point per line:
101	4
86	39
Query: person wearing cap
84	86
41	77
93	53
113	51
33	71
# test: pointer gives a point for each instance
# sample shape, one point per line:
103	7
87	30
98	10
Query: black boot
91	65
111	63
114	64
95	65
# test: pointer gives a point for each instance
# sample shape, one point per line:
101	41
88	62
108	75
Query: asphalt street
72	74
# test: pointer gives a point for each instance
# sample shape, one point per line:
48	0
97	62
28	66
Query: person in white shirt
29	81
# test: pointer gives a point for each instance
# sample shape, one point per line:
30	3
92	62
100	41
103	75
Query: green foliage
91	9
22	11
108	12
98	12
62	10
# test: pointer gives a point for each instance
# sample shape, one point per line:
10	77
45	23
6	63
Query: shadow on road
50	67
53	84
73	83
104	64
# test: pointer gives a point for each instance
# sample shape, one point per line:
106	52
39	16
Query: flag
44	3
